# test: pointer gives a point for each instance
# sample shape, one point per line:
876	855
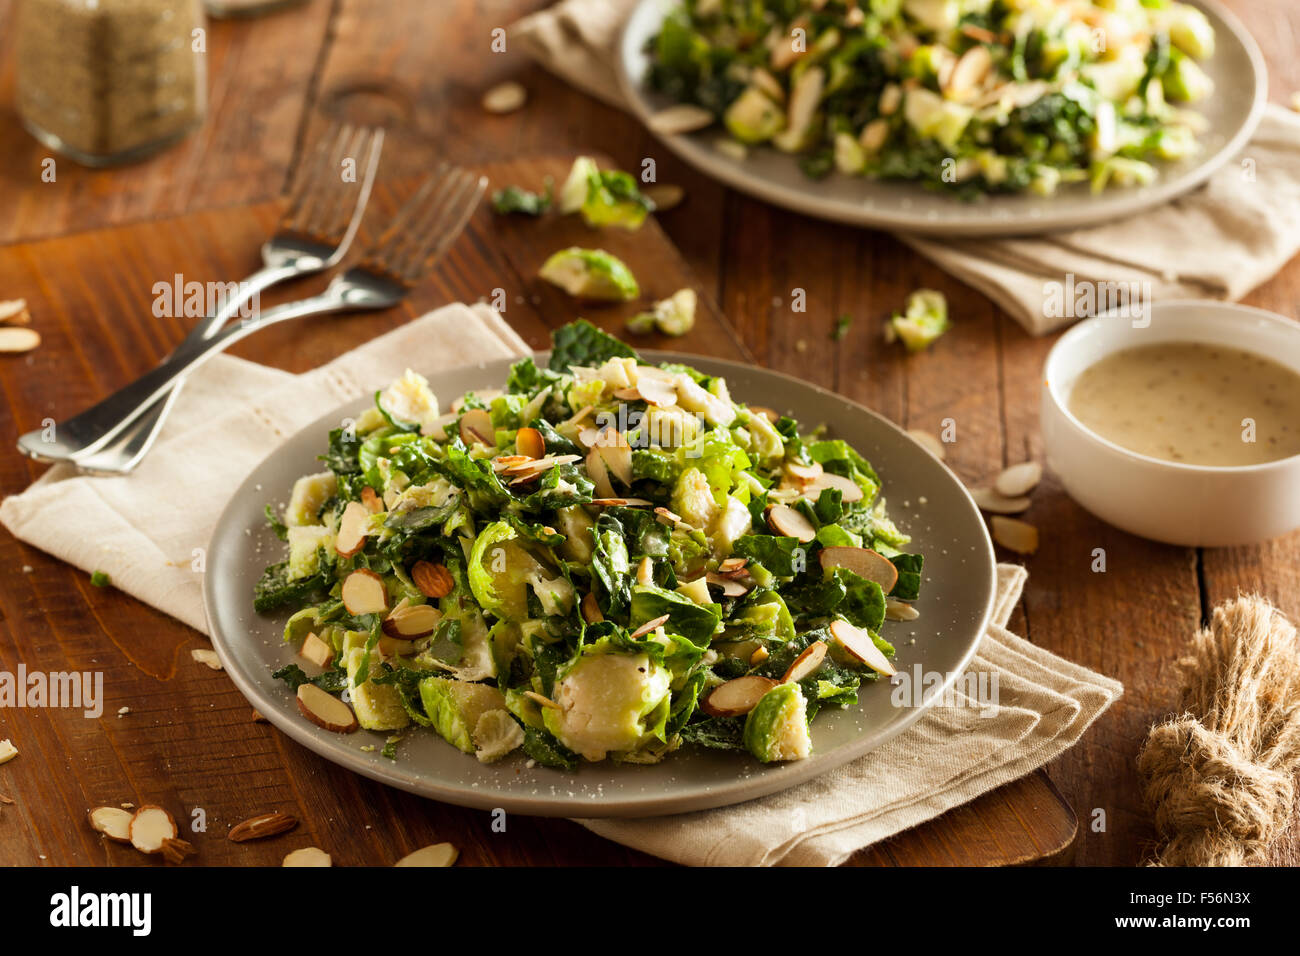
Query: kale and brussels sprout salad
970	96
607	558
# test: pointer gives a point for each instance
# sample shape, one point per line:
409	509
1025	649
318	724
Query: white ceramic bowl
1182	504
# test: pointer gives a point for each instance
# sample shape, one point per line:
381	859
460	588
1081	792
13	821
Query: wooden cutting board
188	741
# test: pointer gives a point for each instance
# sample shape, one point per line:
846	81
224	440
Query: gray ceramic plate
955	605
1233	112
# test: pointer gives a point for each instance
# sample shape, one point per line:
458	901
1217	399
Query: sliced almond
784	520
806	663
540	700
503	462
848	488
645	571
730	586
968	75
476	427
1019	480
771	414
374	504
1014	535
262	826
353	527
14	312
804	474
731	566
505	98
591	612
363	592
308	856
929	442
599	474
896	610
668	517
665	196
587	437
858	643
316	651
325	710
113	822
656	392
150	828
437	429
412	622
617	455
649	626
433	580
863	562
207	657
736	697
988	500
682	118
621	502
760	654
536	466
529	441
18	338
440	854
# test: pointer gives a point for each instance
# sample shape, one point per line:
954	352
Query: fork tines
428	223
320	205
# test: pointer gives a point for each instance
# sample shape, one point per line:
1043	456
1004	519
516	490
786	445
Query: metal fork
422	231
313	235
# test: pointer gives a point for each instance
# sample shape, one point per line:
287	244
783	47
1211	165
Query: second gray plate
925	498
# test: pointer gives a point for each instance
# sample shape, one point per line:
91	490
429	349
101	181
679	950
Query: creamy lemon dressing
1192	403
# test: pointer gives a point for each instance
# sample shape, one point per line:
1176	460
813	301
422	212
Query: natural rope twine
1221	777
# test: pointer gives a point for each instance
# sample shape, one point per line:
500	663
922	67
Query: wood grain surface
421	67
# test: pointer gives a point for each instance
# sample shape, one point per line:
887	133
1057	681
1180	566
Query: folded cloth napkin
143	529
1218	242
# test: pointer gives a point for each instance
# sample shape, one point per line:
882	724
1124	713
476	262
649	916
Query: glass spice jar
110	81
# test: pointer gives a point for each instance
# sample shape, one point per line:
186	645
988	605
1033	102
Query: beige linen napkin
144	529
1217	242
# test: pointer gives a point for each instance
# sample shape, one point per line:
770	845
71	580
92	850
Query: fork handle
94	428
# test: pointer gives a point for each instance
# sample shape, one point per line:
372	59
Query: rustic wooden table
420	67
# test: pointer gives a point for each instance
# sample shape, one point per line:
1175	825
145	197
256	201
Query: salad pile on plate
606	558
973	96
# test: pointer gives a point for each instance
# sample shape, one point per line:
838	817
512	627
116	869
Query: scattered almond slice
433	580
316	651
476	427
363	592
760	654
621	502
150	827
1014	535
7	751
649	626
206	657
848	488
859	645
658	393
665	196
412	622
786	521
440	854
540	700
736	697
1019	480
806	663
325	710
617	455
729	585
771	414
591	612
505	98
371	500
14	312
929	442
645	571
682	118
968	74
112	822
803	474
262	826
529	441
18	338
988	500
732	566
308	856
599	474
896	610
353	527
863	562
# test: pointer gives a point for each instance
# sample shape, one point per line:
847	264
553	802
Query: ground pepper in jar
109	81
